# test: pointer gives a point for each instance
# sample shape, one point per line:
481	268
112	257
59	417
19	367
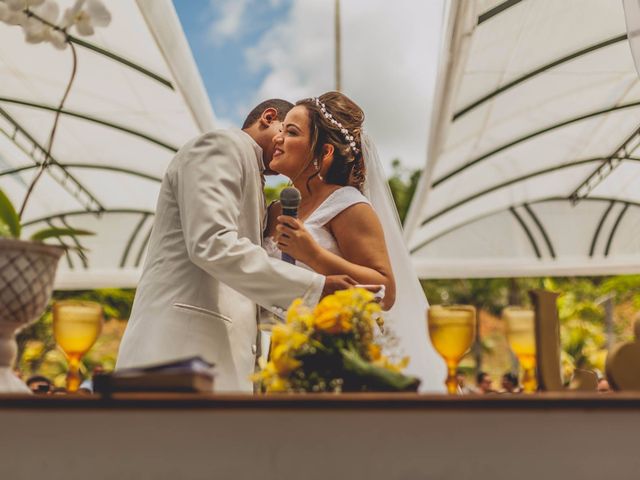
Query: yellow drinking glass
452	331
521	335
76	327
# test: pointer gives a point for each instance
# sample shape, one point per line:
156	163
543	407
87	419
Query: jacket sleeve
208	186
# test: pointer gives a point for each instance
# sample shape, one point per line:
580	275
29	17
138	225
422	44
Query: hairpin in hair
345	133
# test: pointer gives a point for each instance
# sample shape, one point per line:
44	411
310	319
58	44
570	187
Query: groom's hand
334	283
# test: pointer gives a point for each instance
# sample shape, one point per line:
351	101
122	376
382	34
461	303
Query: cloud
389	61
230	14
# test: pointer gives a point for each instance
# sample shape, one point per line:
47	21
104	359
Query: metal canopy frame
513	181
457	75
55	163
526	206
138	100
92	119
62	217
530	136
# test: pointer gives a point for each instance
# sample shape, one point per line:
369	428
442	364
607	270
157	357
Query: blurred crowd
41	385
509	383
484	385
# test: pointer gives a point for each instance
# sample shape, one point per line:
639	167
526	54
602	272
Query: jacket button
254	348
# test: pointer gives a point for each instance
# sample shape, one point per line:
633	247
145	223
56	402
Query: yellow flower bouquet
332	348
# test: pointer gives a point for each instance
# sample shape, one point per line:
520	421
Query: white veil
406	319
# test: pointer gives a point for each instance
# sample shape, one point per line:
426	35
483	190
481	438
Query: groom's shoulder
216	141
215	138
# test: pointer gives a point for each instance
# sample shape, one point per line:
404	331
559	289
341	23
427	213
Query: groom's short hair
281	106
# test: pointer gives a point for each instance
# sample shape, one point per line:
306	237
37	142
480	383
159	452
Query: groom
205	270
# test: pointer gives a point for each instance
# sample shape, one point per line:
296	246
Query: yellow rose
280	334
334	321
374	351
384	362
278	385
295	310
287	336
282	361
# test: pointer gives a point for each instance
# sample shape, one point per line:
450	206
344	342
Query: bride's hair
336	119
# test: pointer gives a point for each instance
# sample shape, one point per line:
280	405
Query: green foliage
490	294
9	220
403	184
580	309
273	193
116	302
55	232
378	378
11	227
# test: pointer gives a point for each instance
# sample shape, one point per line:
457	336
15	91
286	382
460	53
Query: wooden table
368	436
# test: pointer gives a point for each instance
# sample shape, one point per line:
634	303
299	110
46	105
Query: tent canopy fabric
136	99
533	163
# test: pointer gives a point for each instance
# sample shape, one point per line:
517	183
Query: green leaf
4	231
58	232
8	216
379	378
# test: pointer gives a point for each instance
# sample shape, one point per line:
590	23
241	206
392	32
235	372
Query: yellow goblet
76	327
520	324
452	330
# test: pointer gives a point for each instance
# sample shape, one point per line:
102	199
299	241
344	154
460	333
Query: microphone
290	201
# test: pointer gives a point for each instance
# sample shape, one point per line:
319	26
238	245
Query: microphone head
290	198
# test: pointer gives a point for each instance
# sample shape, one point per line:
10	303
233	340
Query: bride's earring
315	164
317	167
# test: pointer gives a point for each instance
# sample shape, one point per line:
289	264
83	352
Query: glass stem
529	383
452	382
73	375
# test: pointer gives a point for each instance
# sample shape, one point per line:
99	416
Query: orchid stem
47	157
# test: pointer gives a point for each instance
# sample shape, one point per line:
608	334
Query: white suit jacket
205	270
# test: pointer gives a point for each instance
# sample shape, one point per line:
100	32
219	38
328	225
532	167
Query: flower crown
345	133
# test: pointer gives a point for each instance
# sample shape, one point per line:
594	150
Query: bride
347	221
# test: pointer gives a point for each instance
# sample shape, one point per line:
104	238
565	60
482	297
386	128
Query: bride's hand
293	239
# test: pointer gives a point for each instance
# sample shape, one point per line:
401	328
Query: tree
403	183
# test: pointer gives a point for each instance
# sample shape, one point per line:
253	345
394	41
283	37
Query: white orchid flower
16	4
22	4
36	31
57	38
4	12
85	14
13	17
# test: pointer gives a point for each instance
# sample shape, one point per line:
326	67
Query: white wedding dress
335	203
407	318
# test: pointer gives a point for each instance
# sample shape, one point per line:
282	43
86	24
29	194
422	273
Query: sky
251	50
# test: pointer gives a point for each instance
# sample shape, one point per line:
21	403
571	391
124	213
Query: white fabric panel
512	242
531	190
149	35
544	123
531	34
627	236
553	149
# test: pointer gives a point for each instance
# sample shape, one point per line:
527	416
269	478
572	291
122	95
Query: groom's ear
268	117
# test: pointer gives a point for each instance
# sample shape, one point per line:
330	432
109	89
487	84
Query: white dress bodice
315	224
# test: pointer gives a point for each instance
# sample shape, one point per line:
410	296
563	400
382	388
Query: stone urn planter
27	272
